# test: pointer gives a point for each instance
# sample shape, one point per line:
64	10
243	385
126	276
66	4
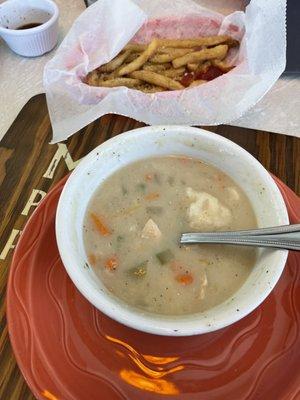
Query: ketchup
210	74
187	79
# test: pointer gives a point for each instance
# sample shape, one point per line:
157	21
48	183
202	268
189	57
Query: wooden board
30	166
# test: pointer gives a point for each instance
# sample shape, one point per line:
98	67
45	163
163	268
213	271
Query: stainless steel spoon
279	237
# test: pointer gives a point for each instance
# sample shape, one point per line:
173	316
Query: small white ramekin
151	141
30	42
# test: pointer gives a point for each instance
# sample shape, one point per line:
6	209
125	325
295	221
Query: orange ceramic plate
68	350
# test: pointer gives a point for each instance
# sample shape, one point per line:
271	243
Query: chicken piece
203	285
206	211
133	228
232	193
151	230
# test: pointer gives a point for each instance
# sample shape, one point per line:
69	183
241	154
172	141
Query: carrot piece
92	259
111	263
185	279
152	196
99	224
149	177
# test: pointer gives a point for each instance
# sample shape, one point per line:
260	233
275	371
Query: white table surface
21	79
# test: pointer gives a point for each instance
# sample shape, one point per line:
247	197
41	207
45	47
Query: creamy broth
133	225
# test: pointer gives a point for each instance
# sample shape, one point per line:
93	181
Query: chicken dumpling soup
132	228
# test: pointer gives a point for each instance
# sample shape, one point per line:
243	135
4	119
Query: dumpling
206	211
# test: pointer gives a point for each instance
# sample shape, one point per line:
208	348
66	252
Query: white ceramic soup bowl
138	144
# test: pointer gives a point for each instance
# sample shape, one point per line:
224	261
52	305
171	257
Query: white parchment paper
105	27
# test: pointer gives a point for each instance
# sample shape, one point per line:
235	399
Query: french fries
169	56
168	50
157	67
157	79
222	65
192	66
132	56
165	64
202	55
204	66
129	82
201	41
140	61
135	47
115	62
173	72
199	67
92	78
147	88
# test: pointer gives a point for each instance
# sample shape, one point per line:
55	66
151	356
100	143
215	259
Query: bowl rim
155	323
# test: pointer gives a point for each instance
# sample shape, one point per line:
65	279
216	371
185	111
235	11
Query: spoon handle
280	237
